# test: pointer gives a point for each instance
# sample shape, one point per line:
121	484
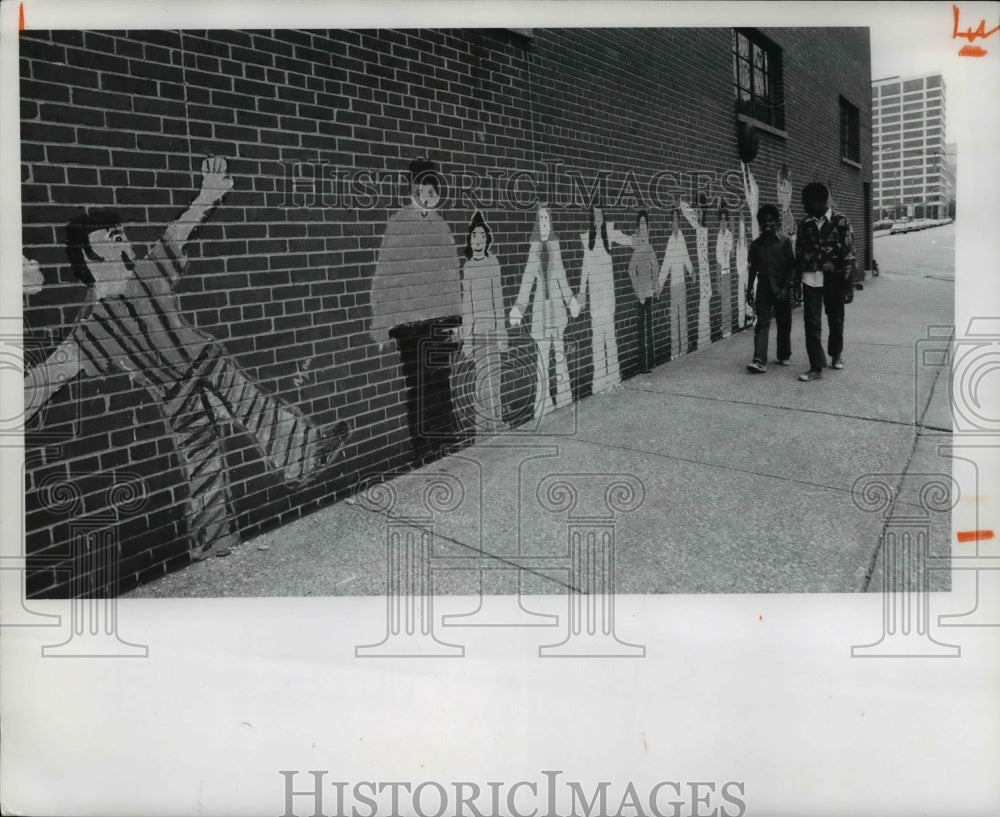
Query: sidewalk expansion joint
505	559
775	406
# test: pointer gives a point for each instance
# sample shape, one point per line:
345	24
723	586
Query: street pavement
726	482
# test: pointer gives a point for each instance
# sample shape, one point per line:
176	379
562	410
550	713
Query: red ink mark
645	746
760	618
974	535
979	34
20	17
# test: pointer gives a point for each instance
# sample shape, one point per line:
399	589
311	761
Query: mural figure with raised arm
132	323
724	258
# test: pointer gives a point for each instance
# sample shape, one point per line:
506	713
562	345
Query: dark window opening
850	132
757	82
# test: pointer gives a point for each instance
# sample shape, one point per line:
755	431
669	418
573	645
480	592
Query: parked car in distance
911	225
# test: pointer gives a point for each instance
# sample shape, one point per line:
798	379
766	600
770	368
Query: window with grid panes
757	77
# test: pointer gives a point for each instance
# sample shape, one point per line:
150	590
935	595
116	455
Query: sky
922	43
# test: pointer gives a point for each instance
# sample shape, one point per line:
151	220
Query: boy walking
771	260
825	263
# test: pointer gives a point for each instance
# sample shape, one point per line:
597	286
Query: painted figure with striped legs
132	322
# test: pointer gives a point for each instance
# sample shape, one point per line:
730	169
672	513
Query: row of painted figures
415	301
131	322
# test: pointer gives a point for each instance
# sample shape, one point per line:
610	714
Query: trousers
816	300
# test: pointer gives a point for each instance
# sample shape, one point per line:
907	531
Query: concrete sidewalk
745	480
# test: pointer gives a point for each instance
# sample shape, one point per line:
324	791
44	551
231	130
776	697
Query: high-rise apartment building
950	175
908	153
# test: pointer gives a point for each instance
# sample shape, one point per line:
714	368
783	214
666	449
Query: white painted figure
546	292
788	226
483	332
745	314
676	262
696	219
723	257
597	279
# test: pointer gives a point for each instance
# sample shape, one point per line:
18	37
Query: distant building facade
950	175
908	148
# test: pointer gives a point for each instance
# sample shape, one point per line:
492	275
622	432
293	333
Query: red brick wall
281	274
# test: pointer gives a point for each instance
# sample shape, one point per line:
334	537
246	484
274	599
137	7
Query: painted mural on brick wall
546	302
416	301
132	323
676	274
438	304
483	333
643	273
438	312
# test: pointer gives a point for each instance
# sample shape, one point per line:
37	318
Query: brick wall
318	128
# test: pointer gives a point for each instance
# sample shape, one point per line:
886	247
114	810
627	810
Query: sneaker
838	362
812	374
756	367
785	362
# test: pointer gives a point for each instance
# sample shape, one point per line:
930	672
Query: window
913	85
850	132
934	82
757	77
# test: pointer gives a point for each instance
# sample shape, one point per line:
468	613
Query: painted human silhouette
416	300
751	193
696	218
483	333
132	323
677	267
784	186
598	281
723	258
750	190
642	272
545	293
31	278
745	314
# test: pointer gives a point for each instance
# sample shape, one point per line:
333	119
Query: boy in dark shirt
772	260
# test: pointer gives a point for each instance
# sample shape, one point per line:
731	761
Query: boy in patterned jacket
825	265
